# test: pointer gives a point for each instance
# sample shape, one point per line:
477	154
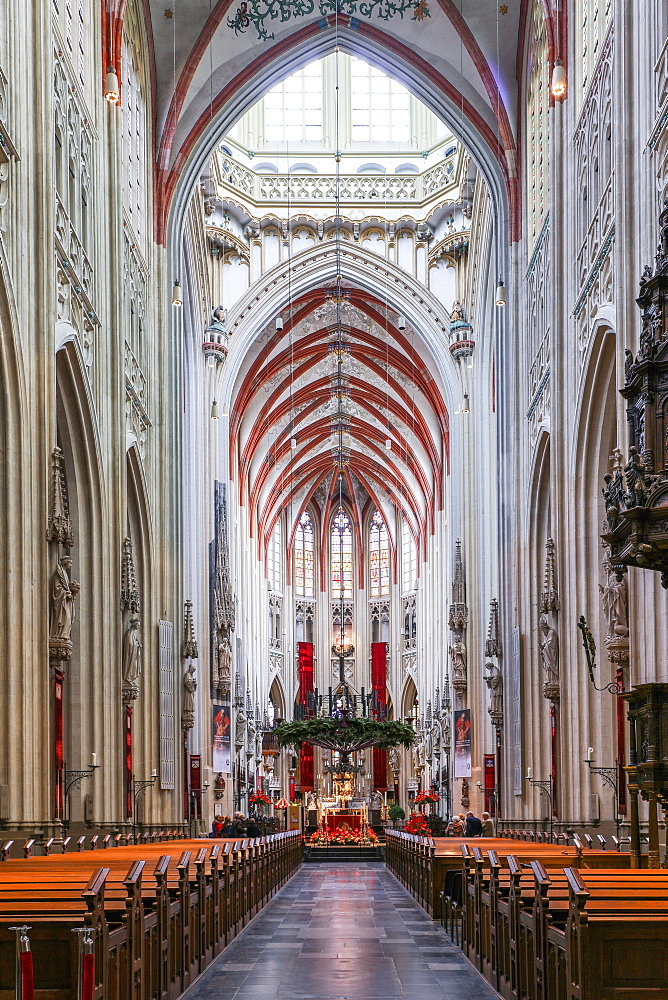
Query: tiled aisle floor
342	931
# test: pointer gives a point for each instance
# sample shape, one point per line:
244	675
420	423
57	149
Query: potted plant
396	813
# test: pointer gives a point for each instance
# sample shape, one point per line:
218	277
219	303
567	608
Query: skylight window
380	107
293	109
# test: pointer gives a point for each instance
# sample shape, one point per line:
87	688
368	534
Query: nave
342	932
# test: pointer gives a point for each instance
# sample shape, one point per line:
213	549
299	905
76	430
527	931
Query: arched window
538	103
408	559
379	557
303	572
134	138
293	109
592	19
341	540
275	560
380	106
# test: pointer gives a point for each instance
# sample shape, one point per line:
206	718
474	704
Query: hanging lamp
111	88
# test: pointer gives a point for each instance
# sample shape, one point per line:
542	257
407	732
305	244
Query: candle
590	753
93	760
529	774
154	773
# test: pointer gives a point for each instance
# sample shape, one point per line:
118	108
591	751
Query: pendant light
559	82
465	405
111	88
177	297
214	410
500	293
279	322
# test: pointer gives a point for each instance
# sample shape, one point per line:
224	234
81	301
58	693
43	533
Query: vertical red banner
128	761
196	784
490	783
379	687
59	761
306	768
305	661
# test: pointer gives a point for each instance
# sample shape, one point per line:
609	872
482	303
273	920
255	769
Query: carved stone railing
393	189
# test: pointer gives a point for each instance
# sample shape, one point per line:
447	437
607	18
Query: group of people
236	826
470	826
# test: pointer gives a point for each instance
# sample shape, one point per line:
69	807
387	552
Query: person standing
239	825
473	825
488	826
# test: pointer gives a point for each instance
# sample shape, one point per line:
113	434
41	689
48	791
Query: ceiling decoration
261	13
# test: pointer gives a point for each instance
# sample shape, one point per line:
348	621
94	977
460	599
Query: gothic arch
87	726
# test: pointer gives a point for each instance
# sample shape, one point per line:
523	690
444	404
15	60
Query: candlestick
529	774
93	760
590	753
154	773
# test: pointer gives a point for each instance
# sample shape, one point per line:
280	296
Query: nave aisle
342	932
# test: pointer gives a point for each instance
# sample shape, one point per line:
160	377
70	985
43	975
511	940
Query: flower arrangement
418	824
325	838
423	797
259	799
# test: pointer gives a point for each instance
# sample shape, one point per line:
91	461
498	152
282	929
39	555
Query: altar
352	818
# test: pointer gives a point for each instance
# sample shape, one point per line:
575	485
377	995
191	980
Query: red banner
379	686
128	760
306	766
490	783
305	659
60	766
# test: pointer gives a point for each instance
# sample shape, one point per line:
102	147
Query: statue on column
458	656
549	651
189	688
240	728
394	760
132	658
224	664
495	684
615	601
63	592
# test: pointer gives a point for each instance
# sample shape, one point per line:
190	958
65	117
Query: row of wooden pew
545	921
32	847
159	913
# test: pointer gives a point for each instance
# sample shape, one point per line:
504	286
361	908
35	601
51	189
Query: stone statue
376	800
311	801
224	654
63	592
495	684
615	601
394	759
458	656
240	728
549	651
189	688
457	312
219	318
132	654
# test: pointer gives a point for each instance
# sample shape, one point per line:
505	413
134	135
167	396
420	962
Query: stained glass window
408	559
274	560
342	554
379	557
303	581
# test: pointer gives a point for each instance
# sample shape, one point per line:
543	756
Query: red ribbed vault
285	419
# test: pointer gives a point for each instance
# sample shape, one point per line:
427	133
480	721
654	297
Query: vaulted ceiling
291	410
462	57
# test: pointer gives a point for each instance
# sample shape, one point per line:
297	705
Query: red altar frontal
335	820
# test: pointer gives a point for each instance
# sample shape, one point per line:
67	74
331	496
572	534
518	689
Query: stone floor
342	932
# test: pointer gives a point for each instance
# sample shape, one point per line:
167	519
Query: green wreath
345	735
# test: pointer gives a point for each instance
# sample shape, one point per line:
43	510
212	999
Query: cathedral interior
341	391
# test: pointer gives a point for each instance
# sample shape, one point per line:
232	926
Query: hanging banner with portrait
222	739
463	743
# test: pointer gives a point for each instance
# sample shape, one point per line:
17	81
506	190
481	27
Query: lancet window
304	557
341	554
275	560
408	559
538	103
134	135
70	16
593	20
379	557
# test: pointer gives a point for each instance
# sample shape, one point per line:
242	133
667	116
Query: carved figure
394	759
189	688
615	601
132	653
311	801
457	312
219	318
458	656
376	800
63	592
549	651
495	684
224	664
240	728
